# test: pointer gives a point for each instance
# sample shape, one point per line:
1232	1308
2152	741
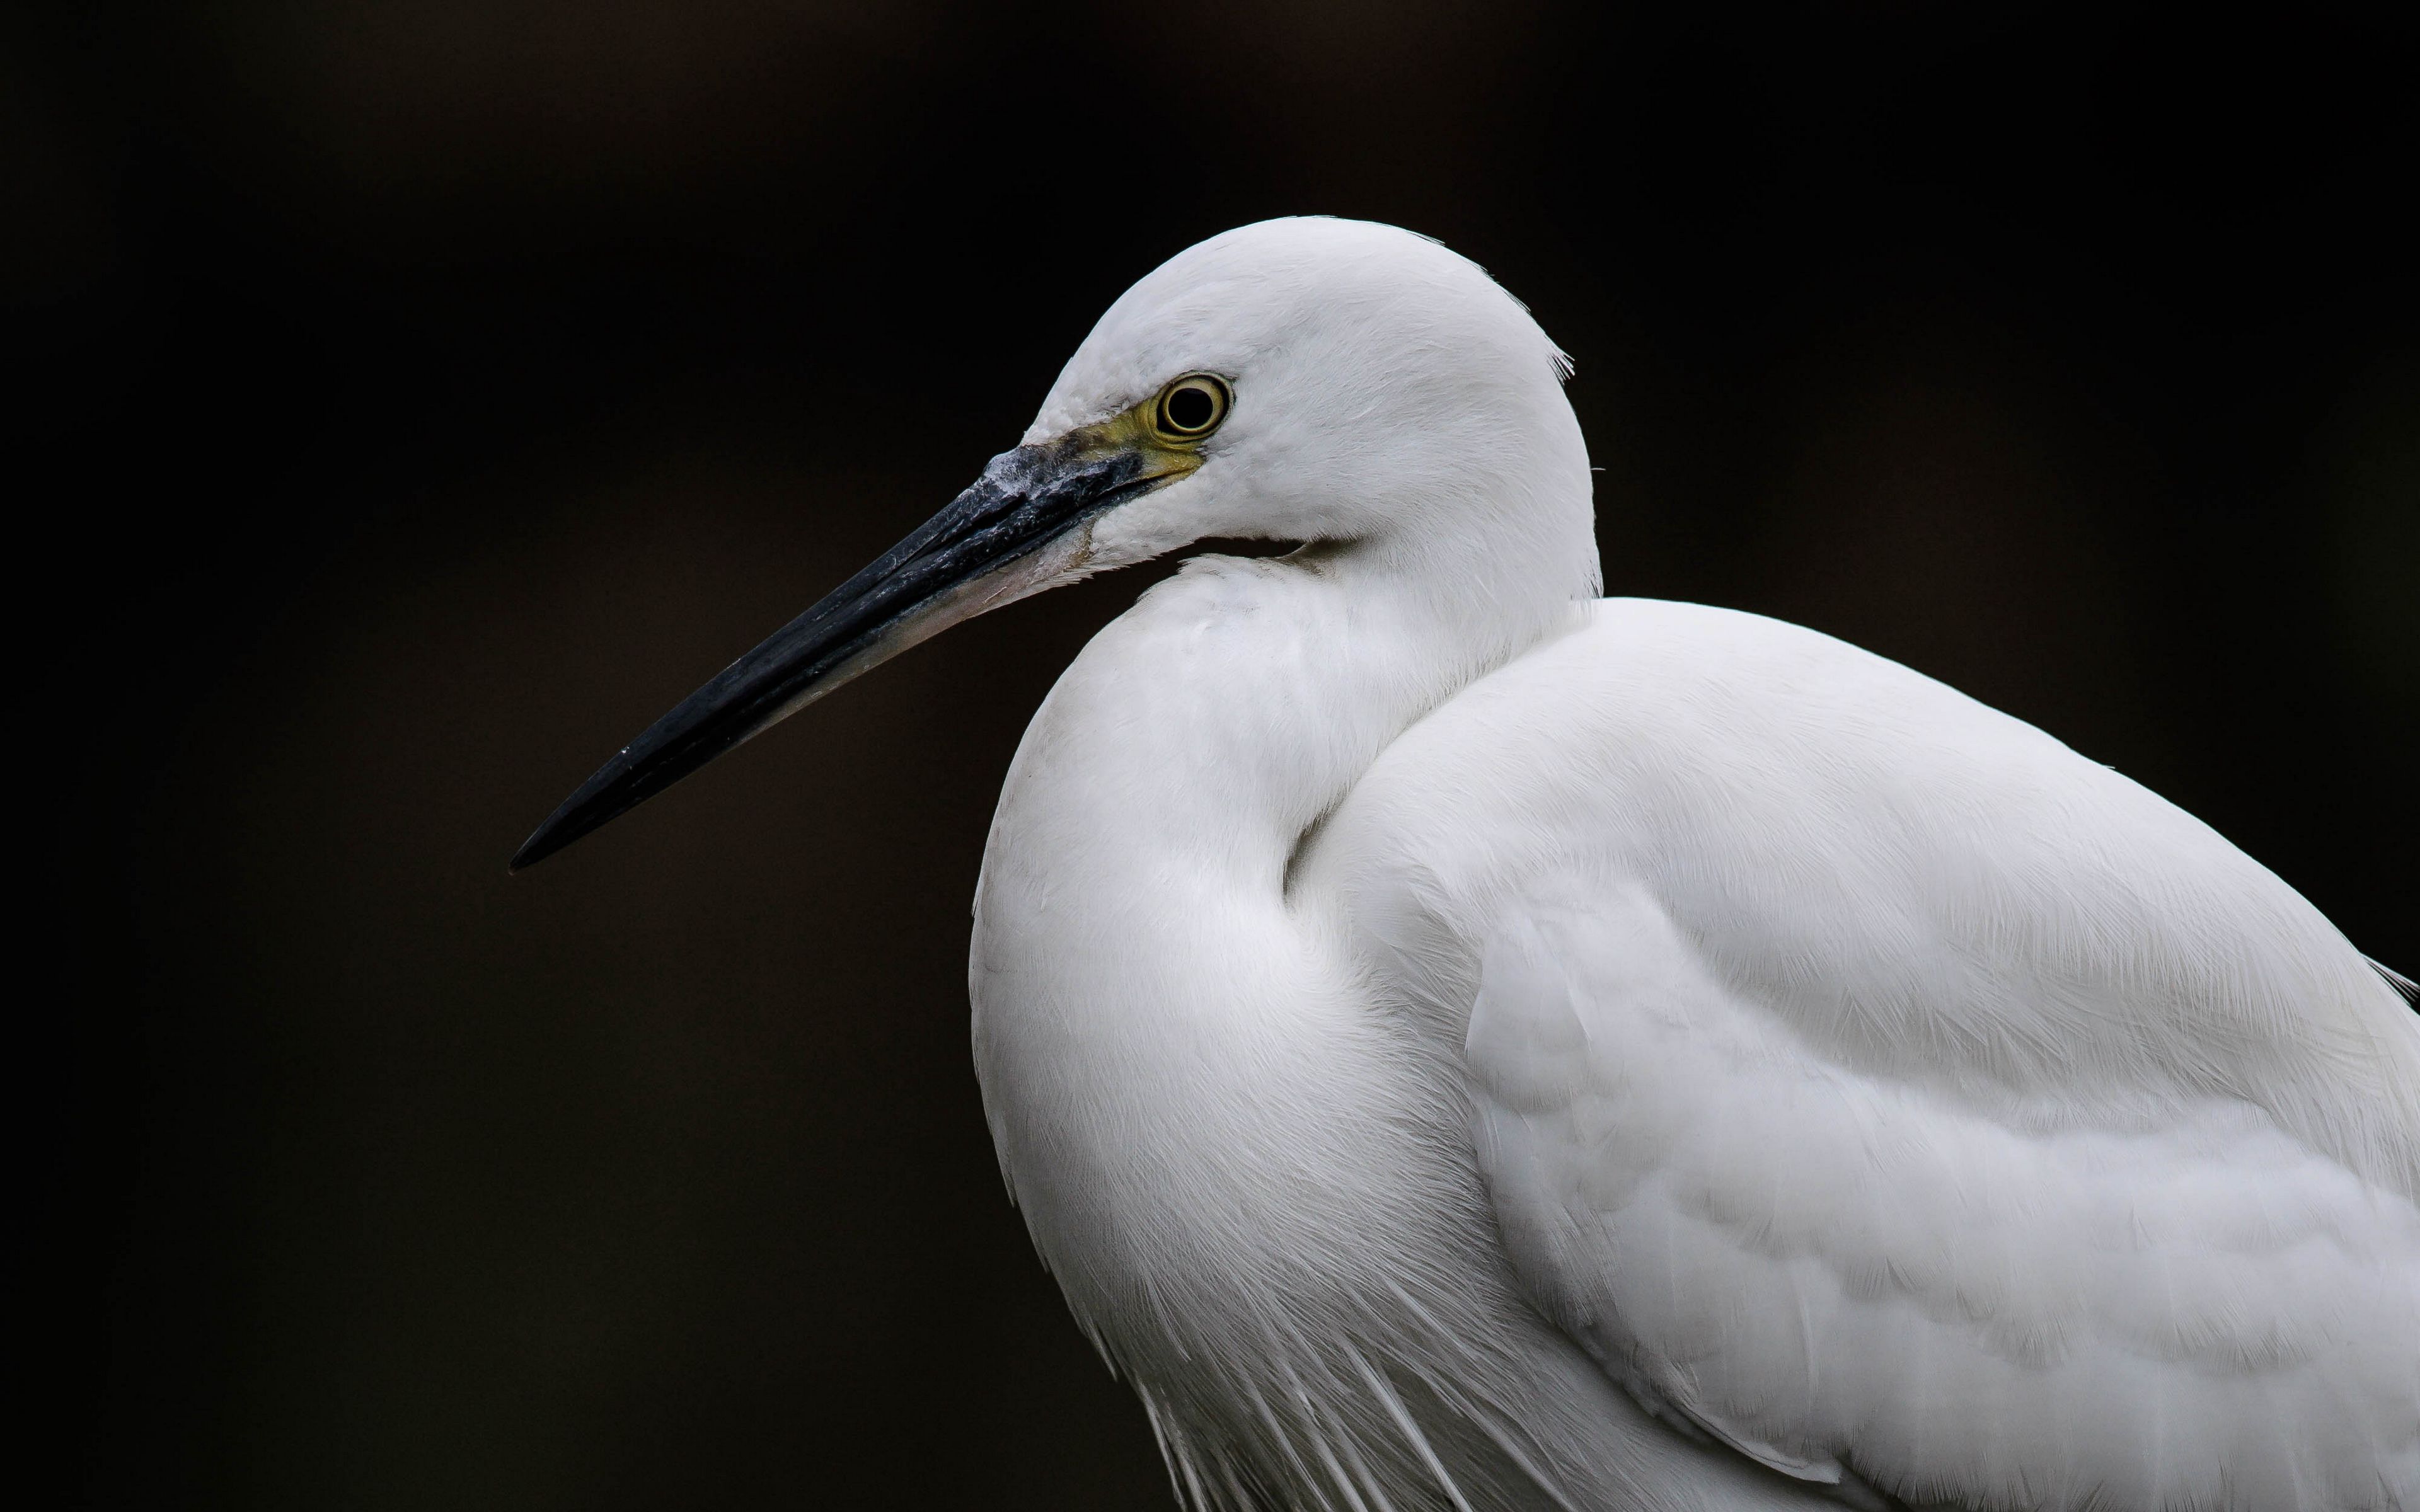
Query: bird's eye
1191	407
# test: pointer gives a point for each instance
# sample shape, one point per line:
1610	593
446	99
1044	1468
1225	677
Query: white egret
1461	1041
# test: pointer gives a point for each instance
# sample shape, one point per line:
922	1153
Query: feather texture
1932	1107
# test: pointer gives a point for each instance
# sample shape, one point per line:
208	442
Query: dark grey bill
1025	500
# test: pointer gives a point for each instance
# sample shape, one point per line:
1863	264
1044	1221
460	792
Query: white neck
1215	721
1143	990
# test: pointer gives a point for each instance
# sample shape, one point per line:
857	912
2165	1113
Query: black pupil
1191	407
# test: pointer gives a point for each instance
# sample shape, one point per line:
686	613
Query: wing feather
1872	1085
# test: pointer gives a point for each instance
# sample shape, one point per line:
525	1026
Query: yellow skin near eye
1168	453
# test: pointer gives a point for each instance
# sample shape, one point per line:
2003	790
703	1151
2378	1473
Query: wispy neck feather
1162	1036
1182	1071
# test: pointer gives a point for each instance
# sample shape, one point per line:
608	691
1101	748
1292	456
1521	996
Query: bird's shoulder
1915	883
1873	1085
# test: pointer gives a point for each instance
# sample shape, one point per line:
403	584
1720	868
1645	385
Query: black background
428	393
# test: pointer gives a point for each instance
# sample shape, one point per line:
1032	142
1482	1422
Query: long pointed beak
1014	531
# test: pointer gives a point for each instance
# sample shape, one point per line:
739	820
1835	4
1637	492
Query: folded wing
1872	1085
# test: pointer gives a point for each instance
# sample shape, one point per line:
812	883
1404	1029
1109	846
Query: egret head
1307	380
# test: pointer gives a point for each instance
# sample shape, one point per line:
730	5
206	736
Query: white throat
1139	976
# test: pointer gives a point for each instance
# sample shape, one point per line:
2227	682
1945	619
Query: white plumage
1459	1041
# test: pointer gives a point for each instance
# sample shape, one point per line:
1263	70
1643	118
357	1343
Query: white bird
1461	1041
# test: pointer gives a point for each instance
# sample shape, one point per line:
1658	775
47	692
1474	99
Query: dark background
428	393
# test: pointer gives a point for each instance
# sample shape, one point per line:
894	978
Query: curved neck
1159	1031
1235	704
